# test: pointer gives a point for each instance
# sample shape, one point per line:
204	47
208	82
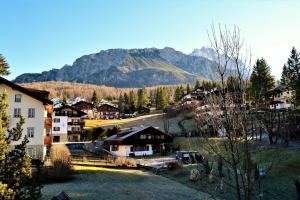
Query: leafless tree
225	112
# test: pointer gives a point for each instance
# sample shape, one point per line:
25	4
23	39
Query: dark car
189	157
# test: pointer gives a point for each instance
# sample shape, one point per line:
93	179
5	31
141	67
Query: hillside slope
130	68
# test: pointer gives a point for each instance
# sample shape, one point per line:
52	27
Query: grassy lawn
278	184
154	120
103	183
108	122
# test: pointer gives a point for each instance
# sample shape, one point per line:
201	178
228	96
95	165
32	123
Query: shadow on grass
106	183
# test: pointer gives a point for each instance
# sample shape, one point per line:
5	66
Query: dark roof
108	105
83	102
36	94
42	93
80	113
125	136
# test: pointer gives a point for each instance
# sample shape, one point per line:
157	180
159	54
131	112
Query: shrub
212	177
95	133
125	162
6	192
194	175
61	160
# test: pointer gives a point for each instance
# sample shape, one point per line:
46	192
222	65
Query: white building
36	109
67	124
281	98
59	128
138	142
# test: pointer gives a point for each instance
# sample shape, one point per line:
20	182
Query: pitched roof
80	113
125	134
108	105
80	103
128	133
36	94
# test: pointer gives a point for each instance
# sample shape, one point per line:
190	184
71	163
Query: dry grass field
155	120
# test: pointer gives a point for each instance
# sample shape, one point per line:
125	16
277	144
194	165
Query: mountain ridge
130	68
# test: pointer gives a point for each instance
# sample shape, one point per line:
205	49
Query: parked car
189	157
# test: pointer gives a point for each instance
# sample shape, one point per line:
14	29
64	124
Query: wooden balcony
47	140
49	109
48	123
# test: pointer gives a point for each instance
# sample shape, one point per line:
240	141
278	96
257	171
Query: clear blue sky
38	35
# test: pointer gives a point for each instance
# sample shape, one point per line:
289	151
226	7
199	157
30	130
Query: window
115	148
56	138
18	98
143	137
31	112
56	120
31	152
17	112
30	132
139	148
75	128
162	137
56	128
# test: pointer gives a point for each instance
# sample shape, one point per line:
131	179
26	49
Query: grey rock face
130	68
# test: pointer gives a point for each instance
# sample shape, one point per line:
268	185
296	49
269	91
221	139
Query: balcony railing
76	123
76	132
48	123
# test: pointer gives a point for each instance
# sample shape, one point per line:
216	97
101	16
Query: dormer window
18	98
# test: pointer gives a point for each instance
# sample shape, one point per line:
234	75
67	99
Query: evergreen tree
181	91
158	98
152	97
126	103
261	81
208	85
164	98
188	89
121	103
3	66
95	99
142	98
197	85
15	164
65	100
291	74
285	76
132	101
177	95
